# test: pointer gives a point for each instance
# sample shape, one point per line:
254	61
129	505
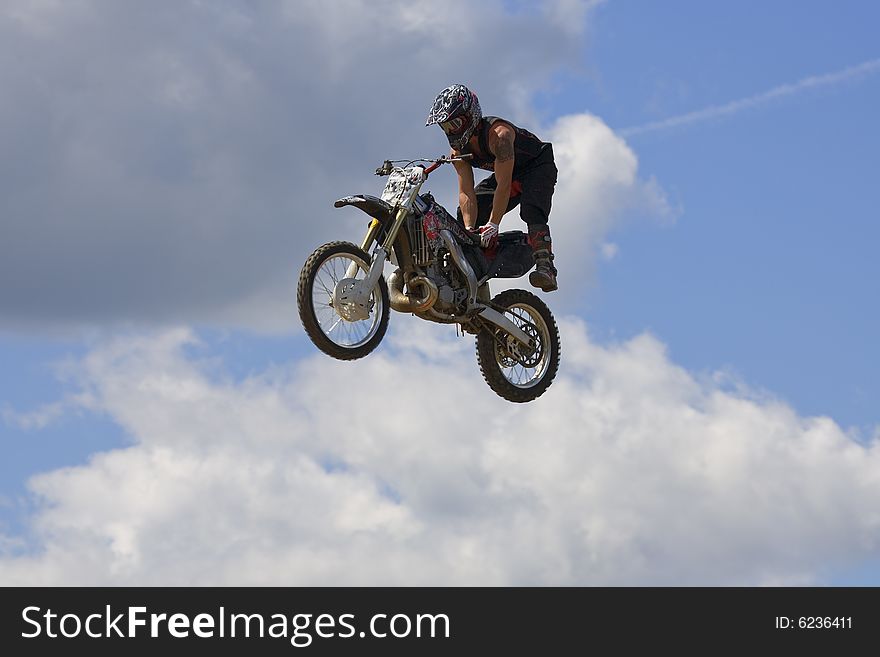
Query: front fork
349	290
378	263
372	231
369	238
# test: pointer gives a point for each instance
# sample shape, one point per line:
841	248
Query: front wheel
512	372
334	329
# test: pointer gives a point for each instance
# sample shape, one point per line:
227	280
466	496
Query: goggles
454	126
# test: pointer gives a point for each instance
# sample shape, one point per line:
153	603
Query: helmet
457	110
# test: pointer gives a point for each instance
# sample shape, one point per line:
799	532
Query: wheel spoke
335	324
324	287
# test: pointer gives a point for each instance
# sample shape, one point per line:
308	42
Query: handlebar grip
433	166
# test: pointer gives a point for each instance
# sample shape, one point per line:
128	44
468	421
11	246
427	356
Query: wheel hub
511	351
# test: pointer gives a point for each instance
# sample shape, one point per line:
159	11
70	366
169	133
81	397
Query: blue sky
778	201
183	162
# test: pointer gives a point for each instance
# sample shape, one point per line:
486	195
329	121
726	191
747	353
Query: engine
439	287
450	283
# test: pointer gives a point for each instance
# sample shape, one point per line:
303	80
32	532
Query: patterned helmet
458	112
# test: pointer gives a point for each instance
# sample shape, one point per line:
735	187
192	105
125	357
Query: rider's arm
467	199
504	158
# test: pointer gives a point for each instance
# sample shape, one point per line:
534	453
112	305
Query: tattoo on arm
504	151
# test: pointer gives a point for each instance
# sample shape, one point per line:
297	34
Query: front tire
514	375
329	331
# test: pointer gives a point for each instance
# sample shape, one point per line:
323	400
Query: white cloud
599	185
404	468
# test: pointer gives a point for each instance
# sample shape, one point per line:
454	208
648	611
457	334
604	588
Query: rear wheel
340	331
512	371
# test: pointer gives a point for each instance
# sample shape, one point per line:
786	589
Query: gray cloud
176	161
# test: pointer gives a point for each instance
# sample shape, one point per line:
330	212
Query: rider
524	175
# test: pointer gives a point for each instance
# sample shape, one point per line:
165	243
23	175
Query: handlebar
388	165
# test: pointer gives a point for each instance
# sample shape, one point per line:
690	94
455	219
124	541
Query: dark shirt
526	147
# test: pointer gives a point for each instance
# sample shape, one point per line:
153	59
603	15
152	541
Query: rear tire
513	375
329	331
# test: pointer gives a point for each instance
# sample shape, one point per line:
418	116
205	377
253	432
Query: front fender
372	205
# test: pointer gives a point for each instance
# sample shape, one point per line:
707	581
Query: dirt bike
442	276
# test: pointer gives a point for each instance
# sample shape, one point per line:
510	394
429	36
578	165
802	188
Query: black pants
532	190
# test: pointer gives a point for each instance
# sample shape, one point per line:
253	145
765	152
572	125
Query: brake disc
510	351
350	302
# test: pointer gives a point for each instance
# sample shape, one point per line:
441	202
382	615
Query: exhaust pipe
406	303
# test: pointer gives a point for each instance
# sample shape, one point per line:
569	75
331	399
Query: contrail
713	111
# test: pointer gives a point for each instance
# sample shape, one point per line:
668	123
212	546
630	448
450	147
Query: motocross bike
442	276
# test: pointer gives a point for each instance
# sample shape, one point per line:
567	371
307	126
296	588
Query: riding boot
544	275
